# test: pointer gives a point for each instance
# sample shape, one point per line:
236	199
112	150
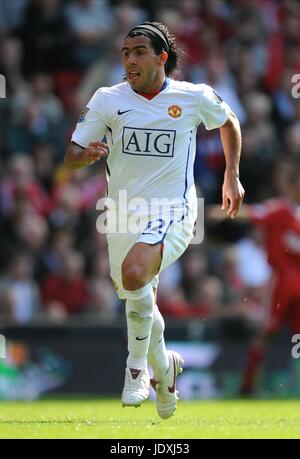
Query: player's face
144	69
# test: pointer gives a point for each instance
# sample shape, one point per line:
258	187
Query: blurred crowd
54	55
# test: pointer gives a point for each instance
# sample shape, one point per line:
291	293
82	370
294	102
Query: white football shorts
172	227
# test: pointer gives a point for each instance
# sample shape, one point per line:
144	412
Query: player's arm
232	190
214	213
85	147
77	157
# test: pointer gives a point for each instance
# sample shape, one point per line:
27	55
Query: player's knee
133	276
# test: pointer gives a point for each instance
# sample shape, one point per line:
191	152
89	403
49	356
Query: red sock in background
254	359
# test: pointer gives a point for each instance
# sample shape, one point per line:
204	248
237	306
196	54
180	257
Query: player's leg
164	382
166	365
294	319
138	269
256	352
157	353
253	362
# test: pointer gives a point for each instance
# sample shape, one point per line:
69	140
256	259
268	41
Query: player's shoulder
199	90
187	86
105	98
116	90
273	206
193	87
278	204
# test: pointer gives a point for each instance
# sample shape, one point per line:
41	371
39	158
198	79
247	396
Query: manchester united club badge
174	111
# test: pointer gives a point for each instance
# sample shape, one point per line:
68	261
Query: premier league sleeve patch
82	115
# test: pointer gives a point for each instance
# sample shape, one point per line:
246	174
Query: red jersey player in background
279	220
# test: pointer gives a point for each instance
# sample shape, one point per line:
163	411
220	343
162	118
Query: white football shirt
152	143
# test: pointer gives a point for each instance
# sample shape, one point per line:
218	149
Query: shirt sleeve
213	111
91	125
267	214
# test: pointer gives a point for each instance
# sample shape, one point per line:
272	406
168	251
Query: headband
153	32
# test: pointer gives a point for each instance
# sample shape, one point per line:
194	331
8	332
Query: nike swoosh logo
141	339
124	111
172	389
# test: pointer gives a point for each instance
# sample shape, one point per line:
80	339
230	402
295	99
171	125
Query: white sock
139	314
157	353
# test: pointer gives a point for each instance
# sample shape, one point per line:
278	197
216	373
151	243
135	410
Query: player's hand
232	194
94	151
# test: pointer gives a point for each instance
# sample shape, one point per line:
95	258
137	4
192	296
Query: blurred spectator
103	298
20	185
127	14
215	72
11	54
249	33
228	271
11	14
260	146
19	294
89	184
103	72
90	22
251	260
50	260
258	106
173	303
44	163
194	267
46	37
283	45
67	209
32	232
208	297
205	302
36	114
293	139
55	54
170	277
66	293
284	104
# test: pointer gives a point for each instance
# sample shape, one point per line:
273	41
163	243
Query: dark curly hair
171	64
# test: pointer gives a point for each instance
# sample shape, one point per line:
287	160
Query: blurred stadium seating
54	54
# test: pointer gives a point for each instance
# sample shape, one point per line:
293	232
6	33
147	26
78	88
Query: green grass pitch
107	419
